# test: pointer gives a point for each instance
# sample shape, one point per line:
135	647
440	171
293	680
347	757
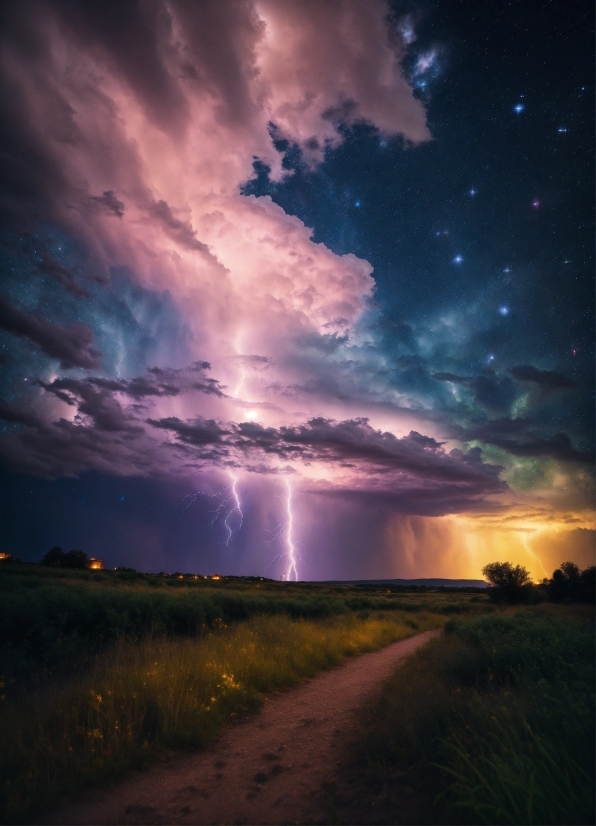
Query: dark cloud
183	380
157	382
452	377
69	448
98	403
138	387
64	276
521	438
494	394
180	231
108	203
198	432
489	391
351	443
546	379
70	345
15	414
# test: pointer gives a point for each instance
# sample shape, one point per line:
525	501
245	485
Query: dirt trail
268	769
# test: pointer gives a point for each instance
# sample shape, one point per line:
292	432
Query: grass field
496	718
52	620
104	671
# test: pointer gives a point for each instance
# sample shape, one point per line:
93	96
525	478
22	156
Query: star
504	310
472	192
518	108
536	203
458	259
357	203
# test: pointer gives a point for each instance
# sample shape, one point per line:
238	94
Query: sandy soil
271	768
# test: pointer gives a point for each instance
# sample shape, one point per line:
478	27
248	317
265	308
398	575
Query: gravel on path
270	768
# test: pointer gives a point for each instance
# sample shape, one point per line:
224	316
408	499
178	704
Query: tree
76	559
509	583
587	584
54	558
570	584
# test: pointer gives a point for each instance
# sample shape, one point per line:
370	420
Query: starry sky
297	289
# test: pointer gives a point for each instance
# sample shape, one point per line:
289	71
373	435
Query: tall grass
50	619
138	699
499	715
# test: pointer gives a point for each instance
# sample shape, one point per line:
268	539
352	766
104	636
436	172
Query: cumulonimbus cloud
133	127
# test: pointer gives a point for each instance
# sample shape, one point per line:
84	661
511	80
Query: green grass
498	715
53	620
102	671
139	698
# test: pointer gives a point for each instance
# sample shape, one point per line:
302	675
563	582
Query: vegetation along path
269	769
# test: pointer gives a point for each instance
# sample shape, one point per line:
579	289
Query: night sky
298	289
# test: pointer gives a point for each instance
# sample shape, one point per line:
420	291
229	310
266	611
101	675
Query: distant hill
420	583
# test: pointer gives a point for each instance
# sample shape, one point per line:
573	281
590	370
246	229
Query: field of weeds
105	672
52	621
491	723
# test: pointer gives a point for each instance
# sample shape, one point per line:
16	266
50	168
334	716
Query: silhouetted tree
570	584
587	584
76	559
508	583
54	558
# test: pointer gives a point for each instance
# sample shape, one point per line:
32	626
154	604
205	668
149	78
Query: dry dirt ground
276	767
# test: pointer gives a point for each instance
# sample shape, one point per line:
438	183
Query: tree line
512	583
57	558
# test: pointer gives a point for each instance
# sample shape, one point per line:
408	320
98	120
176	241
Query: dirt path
268	769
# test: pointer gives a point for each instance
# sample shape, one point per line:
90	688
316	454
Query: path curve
268	769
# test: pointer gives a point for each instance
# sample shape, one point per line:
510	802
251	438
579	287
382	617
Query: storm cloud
132	134
546	379
71	345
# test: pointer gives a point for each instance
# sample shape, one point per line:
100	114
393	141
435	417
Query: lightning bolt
285	530
231	499
291	568
531	552
236	509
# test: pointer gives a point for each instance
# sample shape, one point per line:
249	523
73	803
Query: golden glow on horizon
460	546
